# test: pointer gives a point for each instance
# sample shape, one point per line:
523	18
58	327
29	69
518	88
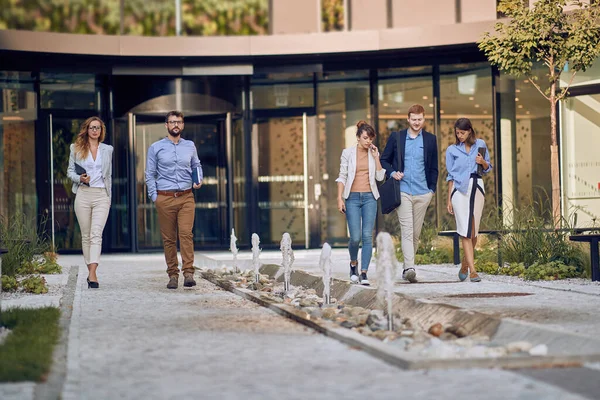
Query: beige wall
294	16
477	10
425	12
368	14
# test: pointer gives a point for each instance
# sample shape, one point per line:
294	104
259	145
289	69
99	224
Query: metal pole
305	156
52	181
178	18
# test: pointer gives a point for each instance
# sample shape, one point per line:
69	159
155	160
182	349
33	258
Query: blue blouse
461	165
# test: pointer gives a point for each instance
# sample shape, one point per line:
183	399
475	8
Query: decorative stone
539	350
519	347
436	329
458	331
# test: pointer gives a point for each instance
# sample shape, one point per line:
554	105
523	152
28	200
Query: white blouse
94	170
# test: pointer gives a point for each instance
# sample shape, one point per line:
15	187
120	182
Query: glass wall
66	91
398	89
18	115
343	100
524	123
580	142
466	91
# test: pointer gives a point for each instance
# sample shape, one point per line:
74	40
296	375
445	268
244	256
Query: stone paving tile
135	339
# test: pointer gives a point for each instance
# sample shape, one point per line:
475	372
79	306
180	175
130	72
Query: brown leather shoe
189	281
173	282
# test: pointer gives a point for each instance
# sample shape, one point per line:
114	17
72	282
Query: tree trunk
554	165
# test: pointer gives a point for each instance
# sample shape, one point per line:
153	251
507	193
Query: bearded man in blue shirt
170	179
411	156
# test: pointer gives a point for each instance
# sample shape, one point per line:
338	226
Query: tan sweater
361	180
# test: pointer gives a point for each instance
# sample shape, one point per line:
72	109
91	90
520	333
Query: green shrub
487	267
530	237
550	271
9	283
45	264
19	237
34	284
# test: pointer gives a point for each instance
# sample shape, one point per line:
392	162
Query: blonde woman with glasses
90	169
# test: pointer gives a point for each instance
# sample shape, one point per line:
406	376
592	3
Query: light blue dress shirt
169	166
414	181
461	165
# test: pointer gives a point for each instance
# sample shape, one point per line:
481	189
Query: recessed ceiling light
385	104
425	97
431	105
518	90
441	111
471	98
476	105
520	105
516	99
527	112
485	111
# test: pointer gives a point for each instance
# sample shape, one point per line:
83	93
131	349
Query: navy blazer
396	144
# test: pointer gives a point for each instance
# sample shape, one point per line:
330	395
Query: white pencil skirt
469	207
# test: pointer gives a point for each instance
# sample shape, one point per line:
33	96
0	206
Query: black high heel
92	284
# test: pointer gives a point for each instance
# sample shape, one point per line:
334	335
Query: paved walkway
135	339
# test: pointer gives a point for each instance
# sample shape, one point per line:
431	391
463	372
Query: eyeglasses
95	128
175	122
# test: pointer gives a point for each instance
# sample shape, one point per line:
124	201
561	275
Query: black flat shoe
92	284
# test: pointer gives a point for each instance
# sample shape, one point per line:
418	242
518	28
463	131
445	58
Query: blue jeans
361	211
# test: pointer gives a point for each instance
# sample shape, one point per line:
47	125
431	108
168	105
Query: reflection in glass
293	90
525	137
66	229
466	91
17	146
147	219
69	91
240	203
343	101
398	90
580	141
280	180
117	233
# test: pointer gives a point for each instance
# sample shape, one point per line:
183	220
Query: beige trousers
91	208
411	215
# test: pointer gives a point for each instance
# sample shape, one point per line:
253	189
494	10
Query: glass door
286	149
65	232
211	222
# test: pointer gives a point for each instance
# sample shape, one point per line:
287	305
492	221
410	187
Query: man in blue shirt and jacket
169	167
411	156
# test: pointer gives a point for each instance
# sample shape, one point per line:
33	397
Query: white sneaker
353	275
409	274
363	279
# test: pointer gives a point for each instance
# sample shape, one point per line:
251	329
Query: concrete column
477	10
368	14
422	13
293	16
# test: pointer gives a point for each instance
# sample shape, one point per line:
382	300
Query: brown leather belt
173	193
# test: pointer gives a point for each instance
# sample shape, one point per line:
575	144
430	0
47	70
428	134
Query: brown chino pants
176	215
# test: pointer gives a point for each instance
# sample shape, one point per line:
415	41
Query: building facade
270	115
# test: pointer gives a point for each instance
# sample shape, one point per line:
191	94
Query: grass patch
26	354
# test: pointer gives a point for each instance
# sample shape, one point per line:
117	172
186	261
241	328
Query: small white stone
516	347
539	350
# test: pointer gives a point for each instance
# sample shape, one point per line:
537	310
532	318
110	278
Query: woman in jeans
90	169
357	196
466	161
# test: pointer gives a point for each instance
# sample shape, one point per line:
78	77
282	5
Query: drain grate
487	295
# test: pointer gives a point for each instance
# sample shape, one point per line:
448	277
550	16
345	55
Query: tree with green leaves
564	36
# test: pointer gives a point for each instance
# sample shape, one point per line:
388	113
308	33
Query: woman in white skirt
90	169
466	161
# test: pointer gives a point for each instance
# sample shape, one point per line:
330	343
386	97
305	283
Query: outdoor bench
593	240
